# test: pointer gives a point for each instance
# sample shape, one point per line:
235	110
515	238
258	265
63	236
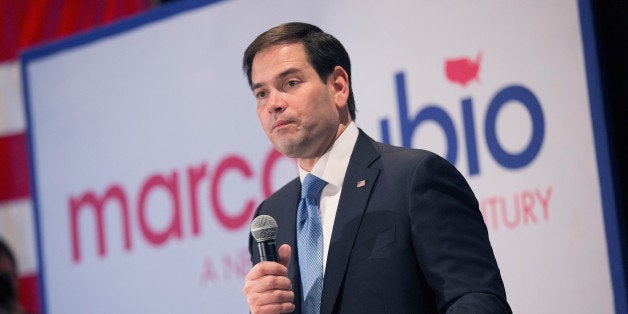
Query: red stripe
14	173
12	13
68	21
31	31
29	293
87	15
24	23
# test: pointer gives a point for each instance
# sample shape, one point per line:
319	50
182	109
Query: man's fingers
284	255
267	287
267	283
273	308
262	269
269	294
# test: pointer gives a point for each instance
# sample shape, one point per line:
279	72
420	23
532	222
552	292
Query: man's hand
267	287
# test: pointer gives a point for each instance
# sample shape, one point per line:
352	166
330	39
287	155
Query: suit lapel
356	189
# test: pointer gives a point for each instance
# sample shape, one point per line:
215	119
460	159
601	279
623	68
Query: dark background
611	23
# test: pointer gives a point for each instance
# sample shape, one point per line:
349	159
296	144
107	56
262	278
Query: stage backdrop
148	159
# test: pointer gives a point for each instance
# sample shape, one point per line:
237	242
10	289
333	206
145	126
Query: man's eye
261	94
291	83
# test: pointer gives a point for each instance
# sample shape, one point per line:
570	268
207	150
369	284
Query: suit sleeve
451	241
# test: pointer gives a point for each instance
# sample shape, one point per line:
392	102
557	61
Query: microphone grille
263	228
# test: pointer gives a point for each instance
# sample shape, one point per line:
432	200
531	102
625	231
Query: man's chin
287	152
288	149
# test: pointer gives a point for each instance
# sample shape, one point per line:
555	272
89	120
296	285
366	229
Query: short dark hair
323	51
5	251
8	281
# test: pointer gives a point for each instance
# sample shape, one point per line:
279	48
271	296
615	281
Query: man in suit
399	229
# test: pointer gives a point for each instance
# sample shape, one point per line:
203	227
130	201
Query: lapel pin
361	183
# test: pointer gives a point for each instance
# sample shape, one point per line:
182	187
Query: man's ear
340	84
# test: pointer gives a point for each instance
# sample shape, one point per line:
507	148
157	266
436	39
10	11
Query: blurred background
27	24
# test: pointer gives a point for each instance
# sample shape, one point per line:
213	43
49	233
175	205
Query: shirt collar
332	166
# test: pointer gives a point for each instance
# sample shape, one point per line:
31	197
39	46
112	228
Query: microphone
264	230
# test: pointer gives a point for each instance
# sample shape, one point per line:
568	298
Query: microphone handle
268	251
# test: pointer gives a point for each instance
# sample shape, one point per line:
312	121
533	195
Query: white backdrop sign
148	159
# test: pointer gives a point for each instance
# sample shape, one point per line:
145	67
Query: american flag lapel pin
361	183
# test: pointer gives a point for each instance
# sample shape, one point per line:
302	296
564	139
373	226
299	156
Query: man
9	303
401	229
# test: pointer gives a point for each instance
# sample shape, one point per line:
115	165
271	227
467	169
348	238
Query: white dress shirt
332	167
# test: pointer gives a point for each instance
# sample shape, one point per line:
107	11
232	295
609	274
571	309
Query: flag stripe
14	172
29	292
12	118
17	228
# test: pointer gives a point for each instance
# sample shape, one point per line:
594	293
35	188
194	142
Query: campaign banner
148	160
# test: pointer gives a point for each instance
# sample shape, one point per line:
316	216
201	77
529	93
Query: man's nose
276	102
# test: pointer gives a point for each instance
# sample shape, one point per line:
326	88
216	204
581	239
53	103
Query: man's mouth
280	123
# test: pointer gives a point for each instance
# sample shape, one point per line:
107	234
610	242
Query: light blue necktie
310	244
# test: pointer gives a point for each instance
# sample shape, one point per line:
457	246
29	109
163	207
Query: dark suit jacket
412	240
